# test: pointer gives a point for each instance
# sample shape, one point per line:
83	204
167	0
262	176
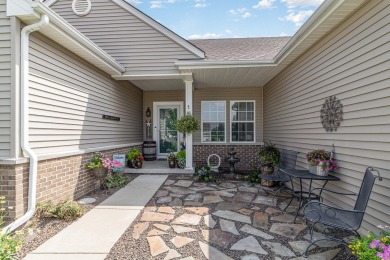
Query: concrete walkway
158	167
92	236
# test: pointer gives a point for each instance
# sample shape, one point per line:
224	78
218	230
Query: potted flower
171	160
320	162
101	165
181	159
269	157
134	158
187	124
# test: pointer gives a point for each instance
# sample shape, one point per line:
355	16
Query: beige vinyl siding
140	48
5	82
229	94
69	97
160	96
353	63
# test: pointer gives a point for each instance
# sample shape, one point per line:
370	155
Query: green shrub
10	242
66	210
115	181
181	158
204	174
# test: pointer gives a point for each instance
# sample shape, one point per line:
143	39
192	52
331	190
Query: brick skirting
58	179
247	154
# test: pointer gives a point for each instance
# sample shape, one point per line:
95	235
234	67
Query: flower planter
172	164
267	170
100	172
138	165
318	170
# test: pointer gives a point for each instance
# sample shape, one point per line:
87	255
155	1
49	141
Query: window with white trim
213	121
242	121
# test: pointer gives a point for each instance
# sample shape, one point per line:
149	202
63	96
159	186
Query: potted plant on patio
320	162
269	157
187	124
181	159
101	165
171	160
134	158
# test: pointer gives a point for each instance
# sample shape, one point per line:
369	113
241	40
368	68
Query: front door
167	138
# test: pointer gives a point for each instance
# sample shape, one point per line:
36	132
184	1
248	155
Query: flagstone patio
232	220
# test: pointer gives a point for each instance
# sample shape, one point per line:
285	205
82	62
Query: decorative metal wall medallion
331	114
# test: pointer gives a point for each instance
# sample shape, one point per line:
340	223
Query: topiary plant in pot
269	156
187	124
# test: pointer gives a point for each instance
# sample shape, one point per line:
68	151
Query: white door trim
156	106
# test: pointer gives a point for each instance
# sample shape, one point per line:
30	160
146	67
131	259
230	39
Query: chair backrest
288	159
365	189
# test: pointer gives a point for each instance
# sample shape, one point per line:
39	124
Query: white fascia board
159	27
50	2
223	64
147	76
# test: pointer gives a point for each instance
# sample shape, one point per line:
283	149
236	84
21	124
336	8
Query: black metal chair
337	218
288	160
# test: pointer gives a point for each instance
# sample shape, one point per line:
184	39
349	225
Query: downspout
24	118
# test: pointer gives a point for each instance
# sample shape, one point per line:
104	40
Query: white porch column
188	109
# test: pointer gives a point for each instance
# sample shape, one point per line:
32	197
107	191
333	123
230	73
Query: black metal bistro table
301	194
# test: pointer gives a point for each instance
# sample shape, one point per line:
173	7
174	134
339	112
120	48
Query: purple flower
376	244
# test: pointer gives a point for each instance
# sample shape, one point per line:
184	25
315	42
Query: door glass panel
168	136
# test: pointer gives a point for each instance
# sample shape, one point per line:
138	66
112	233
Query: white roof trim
71	38
156	25
147	76
189	64
50	2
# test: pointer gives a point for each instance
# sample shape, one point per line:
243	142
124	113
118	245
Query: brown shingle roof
259	48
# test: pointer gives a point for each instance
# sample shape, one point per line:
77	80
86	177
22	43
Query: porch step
158	167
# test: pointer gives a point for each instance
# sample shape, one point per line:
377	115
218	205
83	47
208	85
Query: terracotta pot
139	165
172	164
267	170
100	172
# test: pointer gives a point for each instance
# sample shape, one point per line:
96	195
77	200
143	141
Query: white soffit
66	35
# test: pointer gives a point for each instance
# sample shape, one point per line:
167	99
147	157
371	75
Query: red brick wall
58	179
247	154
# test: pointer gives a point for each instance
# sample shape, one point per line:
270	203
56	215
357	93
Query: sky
208	19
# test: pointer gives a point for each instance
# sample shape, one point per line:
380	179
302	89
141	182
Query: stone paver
162	193
199	210
172	253
183	183
253	231
166	199
265	201
250	257
209	221
157	245
222	193
176	202
245	211
227	185
287	230
272	211
162	227
180	241
244	197
228	226
284	218
212	253
167	210
139	228
179	190
218	237
227	214
260	220
226	205
300	246
187	219
249	244
156	232
208	199
157	217
279	249
169	182
321	256
202	188
182	229
194	197
248	189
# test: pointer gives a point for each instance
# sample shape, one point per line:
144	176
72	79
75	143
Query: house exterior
111	59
